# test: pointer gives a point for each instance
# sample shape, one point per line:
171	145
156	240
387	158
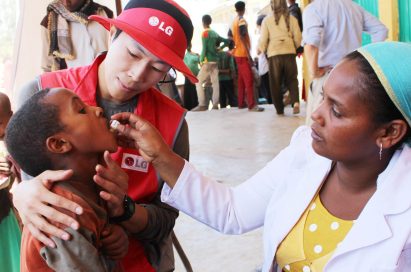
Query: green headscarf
391	61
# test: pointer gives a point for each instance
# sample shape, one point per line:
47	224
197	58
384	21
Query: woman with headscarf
280	36
338	197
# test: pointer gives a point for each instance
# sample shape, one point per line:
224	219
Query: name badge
134	162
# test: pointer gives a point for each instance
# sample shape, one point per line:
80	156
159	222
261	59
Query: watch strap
129	209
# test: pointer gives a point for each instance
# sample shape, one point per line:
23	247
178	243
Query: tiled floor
231	145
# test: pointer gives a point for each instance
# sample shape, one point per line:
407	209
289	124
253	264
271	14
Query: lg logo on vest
134	162
154	21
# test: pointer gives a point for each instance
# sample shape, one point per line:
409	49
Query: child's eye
335	112
83	111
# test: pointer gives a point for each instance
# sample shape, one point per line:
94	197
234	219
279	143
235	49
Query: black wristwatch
129	209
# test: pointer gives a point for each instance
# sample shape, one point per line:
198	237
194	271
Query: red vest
166	115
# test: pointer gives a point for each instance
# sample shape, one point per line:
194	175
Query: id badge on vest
134	162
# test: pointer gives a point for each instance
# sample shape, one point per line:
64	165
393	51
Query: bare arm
311	54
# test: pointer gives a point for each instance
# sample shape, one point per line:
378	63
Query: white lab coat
278	195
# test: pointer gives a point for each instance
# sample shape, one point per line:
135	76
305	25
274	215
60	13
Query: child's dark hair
28	130
206	19
373	94
239	6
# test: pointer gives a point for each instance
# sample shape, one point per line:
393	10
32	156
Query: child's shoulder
70	195
94	217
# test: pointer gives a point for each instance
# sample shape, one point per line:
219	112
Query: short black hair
373	94
206	19
239	6
28	130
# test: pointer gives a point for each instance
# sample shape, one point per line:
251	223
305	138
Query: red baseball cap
161	26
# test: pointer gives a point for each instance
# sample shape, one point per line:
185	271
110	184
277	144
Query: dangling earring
380	151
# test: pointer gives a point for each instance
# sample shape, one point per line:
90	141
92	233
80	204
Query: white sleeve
230	210
374	27
313	26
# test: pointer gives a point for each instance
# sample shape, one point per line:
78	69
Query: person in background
69	38
280	36
241	52
332	29
212	42
9	228
295	11
63	137
190	98
337	198
263	70
140	55
227	69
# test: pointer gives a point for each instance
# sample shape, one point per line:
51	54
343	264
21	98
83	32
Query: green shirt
10	243
226	62
211	42
192	60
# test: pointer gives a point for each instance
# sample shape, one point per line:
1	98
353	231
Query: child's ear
59	145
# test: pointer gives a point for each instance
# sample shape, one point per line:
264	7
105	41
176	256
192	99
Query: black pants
227	93
265	87
190	95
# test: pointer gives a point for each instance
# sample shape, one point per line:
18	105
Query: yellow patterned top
312	241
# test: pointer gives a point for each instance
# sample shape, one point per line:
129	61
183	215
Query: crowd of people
90	194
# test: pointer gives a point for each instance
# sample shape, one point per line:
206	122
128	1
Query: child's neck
84	169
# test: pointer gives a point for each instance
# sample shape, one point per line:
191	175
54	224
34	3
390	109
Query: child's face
4	120
85	126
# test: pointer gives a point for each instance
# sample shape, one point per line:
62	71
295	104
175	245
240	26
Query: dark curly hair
373	95
28	130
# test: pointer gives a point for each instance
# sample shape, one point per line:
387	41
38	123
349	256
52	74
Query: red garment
245	82
82	251
159	110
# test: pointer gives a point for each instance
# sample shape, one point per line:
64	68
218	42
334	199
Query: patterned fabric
57	23
312	241
391	61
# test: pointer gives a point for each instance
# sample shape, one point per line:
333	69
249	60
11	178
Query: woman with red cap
147	39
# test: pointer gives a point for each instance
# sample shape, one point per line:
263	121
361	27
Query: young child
65	134
9	229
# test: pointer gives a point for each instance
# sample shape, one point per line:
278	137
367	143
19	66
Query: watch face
129	205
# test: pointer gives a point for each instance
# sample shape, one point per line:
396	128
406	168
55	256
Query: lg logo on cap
154	21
